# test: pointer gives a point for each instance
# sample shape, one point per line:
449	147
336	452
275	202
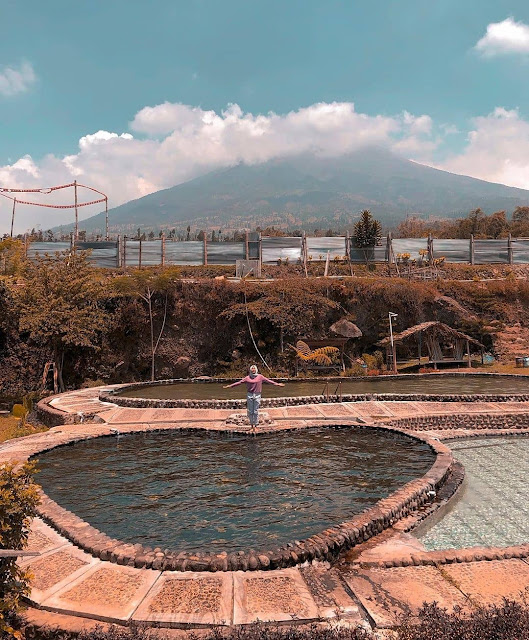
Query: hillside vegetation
98	324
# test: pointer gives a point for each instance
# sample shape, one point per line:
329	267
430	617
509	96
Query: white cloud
504	37
497	149
418	124
15	80
175	142
449	129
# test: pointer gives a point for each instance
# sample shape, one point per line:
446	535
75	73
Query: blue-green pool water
199	491
492	510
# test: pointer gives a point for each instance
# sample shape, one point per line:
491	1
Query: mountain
312	191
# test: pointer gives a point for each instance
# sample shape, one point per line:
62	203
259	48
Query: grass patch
11	427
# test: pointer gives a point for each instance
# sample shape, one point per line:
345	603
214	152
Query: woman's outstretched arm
235	384
276	384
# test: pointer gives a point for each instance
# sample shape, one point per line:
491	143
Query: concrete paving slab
474	407
106	592
56	569
403	409
433	408
513	407
162	415
124	416
490	582
205	414
277	596
276	412
399	545
329	594
372	410
337	410
188	599
43	538
388	593
303	411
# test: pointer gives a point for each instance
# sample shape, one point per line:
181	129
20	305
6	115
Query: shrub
18	499
509	620
19	411
374	362
356	369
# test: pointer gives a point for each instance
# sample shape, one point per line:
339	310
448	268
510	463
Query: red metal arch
6	193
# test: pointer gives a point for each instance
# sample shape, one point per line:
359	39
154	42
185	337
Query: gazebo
444	344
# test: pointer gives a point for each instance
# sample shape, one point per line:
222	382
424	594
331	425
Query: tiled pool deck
372	584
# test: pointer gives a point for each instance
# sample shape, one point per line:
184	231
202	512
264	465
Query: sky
131	96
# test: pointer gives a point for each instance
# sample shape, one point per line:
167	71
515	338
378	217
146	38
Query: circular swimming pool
211	393
192	490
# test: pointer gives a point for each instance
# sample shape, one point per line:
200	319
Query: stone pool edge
325	545
111	395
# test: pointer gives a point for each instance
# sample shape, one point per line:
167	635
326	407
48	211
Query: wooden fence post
304	253
163	249
430	249
118	252
139	255
509	249
471	249
124	259
205	259
246	246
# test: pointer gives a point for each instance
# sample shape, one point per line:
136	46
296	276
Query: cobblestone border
113	395
326	545
476	421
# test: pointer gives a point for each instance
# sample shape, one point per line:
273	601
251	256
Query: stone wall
463	421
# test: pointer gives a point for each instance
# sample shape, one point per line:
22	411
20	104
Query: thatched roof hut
444	344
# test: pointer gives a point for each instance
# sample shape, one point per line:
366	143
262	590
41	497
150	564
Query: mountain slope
313	191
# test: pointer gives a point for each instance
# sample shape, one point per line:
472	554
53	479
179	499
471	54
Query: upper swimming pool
430	384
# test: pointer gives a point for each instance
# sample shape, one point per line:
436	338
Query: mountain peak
314	191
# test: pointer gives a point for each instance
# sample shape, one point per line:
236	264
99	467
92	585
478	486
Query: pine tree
367	231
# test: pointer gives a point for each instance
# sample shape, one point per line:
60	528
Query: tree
520	222
11	256
59	305
473	224
496	225
188	236
145	286
18	500
367	233
293	306
520	214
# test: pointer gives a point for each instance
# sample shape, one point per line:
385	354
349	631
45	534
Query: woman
254	385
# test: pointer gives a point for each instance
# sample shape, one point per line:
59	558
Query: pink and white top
255	384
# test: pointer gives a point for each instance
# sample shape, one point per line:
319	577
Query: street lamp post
393	349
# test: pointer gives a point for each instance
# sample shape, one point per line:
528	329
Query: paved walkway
360	589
